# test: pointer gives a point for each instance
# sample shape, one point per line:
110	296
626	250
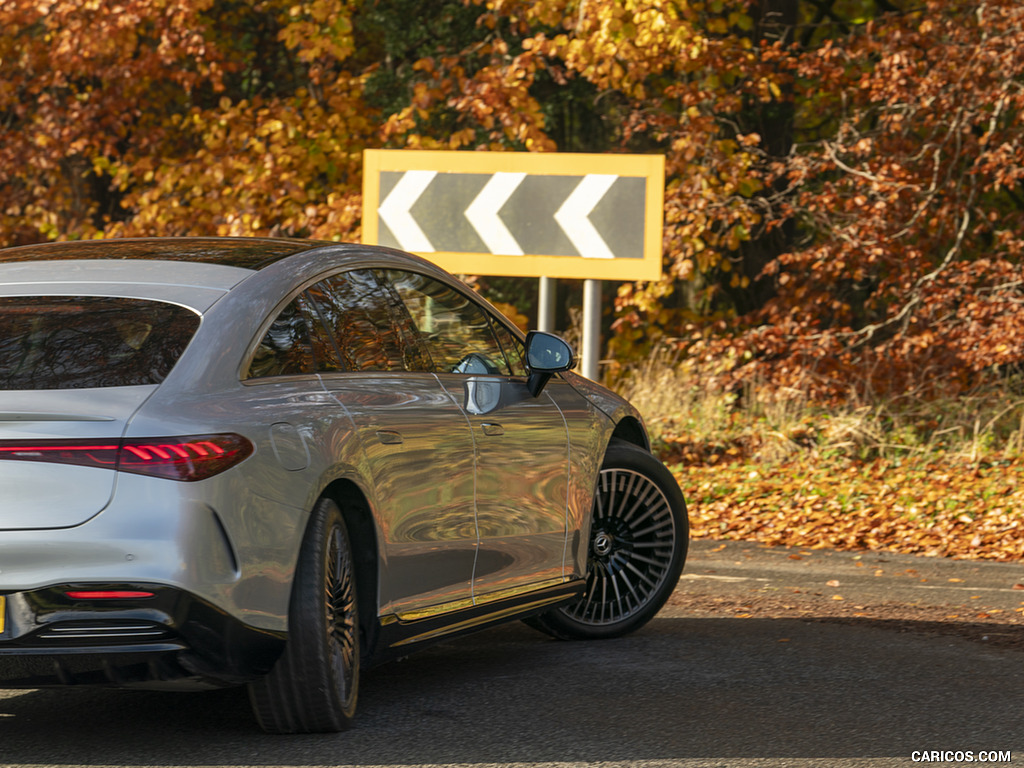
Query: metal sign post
591	354
522	214
546	304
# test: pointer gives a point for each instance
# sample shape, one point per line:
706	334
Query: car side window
515	352
456	330
370	327
288	347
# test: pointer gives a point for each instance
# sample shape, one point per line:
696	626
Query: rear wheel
314	685
638	540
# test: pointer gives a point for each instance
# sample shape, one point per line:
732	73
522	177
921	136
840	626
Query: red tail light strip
170	451
108	594
188	458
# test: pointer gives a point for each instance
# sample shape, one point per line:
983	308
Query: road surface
727	676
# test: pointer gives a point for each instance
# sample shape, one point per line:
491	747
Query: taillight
109	594
189	458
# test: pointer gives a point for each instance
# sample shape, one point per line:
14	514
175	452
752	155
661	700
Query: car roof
192	271
244	252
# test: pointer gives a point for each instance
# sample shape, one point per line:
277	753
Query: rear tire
639	535
313	687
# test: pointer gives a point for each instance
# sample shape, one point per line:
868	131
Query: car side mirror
546	355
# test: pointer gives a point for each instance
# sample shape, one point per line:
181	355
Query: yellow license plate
3	612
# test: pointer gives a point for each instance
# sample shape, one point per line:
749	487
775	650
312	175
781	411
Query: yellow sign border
649	167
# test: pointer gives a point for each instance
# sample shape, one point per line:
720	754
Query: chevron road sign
519	213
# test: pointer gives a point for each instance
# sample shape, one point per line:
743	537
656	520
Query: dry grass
939	478
692	420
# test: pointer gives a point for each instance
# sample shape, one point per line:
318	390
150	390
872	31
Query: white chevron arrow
394	210
572	217
482	213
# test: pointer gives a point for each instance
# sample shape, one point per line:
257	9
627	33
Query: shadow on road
681	688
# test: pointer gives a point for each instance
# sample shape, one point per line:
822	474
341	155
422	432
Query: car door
417	445
521	442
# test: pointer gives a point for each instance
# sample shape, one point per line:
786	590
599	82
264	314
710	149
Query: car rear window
72	342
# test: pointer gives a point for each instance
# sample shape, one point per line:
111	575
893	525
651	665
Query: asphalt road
753	663
973	599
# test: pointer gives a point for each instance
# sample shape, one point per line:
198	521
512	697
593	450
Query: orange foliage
843	202
144	117
909	208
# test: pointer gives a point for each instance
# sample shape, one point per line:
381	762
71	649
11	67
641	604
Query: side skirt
400	635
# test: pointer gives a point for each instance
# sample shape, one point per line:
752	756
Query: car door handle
389	436
490	428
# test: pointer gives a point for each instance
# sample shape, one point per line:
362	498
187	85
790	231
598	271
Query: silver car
269	462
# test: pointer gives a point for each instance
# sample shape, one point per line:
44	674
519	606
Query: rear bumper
170	640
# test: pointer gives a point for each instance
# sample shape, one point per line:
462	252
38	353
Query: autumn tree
905	189
77	85
843	177
874	245
181	117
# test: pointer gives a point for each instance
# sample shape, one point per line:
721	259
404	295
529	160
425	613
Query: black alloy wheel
638	540
314	686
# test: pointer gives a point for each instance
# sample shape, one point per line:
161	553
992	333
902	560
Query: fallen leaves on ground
936	506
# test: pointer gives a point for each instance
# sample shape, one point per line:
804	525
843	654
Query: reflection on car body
271	462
